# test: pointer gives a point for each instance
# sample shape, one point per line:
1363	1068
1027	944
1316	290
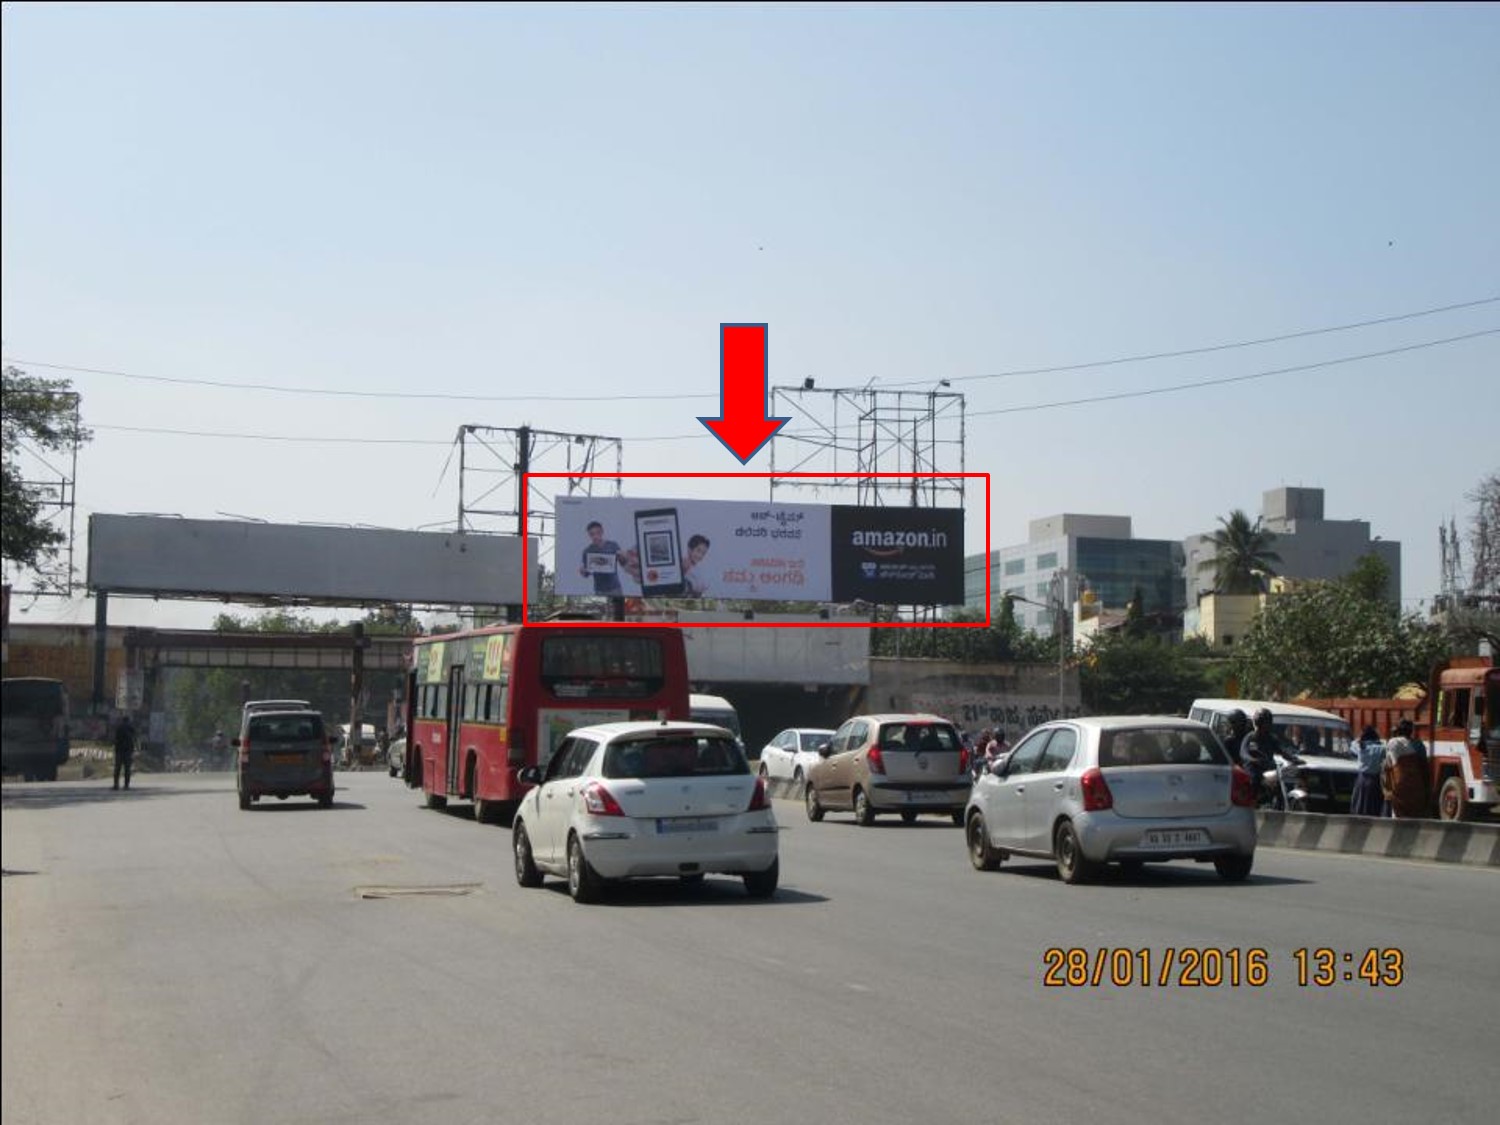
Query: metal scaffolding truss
843	434
493	459
54	490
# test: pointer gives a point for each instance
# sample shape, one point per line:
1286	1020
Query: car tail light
328	750
876	760
758	800
1242	789
600	801
1096	794
245	752
963	759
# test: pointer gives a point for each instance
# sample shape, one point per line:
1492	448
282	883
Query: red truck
1459	719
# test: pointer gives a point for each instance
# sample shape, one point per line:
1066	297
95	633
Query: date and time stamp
1209	967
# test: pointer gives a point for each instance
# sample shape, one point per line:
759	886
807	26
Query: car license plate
1174	838
922	795
286	759
681	824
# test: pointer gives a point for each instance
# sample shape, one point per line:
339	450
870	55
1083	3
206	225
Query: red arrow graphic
742	424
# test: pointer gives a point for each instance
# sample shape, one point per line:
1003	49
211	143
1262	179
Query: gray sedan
1127	790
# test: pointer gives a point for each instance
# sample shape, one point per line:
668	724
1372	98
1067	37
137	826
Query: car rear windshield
1160	746
286	728
925	737
674	757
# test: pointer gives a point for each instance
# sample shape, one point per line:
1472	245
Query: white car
791	752
1127	789
641	800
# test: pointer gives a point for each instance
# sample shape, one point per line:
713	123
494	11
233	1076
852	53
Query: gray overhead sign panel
230	559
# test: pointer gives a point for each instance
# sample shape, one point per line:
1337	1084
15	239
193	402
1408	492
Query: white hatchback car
792	752
645	799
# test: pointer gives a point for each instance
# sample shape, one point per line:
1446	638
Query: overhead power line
1232	378
1026	408
925	380
1148	356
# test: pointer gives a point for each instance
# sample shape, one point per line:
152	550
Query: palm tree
1242	555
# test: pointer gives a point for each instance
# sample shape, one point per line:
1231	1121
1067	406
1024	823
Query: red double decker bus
485	703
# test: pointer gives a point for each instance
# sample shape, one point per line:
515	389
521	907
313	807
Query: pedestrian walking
1403	773
124	749
1367	799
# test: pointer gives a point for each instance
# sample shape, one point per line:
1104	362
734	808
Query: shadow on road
71	794
301	804
1165	875
716	890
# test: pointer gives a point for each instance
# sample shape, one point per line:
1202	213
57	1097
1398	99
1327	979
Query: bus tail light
600	801
876	760
758	802
1096	794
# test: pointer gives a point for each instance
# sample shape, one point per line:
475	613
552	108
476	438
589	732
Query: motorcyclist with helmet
1258	752
1239	726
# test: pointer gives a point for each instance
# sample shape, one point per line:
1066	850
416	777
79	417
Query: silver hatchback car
1128	790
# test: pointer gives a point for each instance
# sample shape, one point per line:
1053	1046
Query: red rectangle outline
526	562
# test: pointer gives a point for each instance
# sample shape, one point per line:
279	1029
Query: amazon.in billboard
766	551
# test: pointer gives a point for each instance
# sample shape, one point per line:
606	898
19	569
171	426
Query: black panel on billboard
898	556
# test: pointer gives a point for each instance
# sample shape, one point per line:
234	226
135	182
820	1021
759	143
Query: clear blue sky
568	201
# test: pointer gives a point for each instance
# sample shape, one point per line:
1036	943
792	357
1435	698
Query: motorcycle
1282	788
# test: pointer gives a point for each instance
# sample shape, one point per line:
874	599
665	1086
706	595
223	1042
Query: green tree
1243	557
1120	674
40	415
1336	638
1004	642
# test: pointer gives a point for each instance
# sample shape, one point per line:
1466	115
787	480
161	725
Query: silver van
284	754
717	711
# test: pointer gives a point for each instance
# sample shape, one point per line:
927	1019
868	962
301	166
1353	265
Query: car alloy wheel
1072	865
526	870
814	806
583	884
981	855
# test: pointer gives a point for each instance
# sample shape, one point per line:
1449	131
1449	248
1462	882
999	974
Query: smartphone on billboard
658	544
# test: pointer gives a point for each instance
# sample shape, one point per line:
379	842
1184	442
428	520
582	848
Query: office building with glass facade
1067	554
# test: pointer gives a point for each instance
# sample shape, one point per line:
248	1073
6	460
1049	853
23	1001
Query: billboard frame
833	477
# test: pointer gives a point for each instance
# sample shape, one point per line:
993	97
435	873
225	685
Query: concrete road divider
1435	840
1438	841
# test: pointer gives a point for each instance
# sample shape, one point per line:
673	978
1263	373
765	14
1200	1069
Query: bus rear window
586	667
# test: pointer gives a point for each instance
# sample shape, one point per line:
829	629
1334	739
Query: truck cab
1464	738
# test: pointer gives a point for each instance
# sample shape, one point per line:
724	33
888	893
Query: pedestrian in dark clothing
124	749
1367	799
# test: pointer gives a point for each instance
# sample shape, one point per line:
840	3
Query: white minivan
1320	738
719	711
